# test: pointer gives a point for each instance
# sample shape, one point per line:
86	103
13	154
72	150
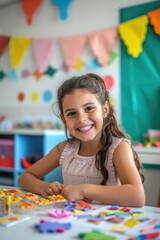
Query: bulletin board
140	79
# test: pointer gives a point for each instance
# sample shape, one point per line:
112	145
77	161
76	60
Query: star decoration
2	75
51	71
79	64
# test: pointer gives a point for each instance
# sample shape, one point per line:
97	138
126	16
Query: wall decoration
30	7
35	96
47	96
63	6
21	96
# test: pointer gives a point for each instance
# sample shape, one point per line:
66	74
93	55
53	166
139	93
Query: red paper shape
30	7
3	44
155	20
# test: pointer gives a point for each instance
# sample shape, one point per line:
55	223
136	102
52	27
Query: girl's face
83	114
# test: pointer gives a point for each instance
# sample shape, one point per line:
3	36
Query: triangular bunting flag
63	7
155	20
43	51
133	33
72	49
30	7
3	44
18	47
101	43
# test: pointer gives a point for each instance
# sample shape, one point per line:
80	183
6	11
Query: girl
98	161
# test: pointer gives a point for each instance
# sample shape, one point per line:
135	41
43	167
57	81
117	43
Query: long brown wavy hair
111	128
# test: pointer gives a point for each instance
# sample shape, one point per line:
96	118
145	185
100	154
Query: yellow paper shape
154	17
79	64
18	47
133	33
131	222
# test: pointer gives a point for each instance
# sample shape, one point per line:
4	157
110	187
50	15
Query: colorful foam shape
54	227
4	40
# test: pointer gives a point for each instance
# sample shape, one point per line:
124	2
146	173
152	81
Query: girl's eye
71	114
89	109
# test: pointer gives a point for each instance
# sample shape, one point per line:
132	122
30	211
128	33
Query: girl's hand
48	189
73	192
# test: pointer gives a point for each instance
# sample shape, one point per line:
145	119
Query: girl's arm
129	193
31	181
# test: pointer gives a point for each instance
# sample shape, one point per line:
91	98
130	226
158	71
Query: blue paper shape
63	7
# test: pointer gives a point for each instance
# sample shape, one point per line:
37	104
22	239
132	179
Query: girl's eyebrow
84	105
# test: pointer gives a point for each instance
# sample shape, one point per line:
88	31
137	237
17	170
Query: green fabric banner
140	79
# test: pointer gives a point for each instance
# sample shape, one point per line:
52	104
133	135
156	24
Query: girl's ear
105	109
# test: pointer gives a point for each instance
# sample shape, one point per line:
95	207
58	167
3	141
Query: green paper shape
2	75
94	235
112	56
51	71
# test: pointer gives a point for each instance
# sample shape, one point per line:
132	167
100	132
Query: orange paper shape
30	7
101	43
3	44
154	17
133	33
72	48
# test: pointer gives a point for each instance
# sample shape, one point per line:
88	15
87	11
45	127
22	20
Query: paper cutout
13	74
47	96
25	73
51	71
35	96
37	75
79	64
155	20
64	68
93	64
29	8
21	96
63	7
3	44
102	42
109	81
18	47
43	50
72	48
2	75
133	33
112	56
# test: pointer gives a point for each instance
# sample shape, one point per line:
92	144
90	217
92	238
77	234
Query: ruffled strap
109	163
70	149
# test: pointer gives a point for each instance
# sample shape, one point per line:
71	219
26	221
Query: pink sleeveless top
78	169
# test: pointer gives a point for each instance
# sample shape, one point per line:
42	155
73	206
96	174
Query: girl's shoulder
68	148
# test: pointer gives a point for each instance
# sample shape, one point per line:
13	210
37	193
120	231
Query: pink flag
72	48
43	50
101	43
4	41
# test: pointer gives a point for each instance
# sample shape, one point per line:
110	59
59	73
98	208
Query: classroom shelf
29	142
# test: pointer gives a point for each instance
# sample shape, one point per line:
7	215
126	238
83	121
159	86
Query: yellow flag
133	33
17	48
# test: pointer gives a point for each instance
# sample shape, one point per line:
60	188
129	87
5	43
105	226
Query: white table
25	230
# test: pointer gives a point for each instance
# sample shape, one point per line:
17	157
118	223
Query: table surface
25	230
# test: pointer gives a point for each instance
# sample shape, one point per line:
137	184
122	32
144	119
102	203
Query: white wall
84	17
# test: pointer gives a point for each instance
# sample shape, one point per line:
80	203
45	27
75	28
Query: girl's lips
85	128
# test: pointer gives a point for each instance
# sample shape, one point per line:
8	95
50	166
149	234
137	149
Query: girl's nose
82	117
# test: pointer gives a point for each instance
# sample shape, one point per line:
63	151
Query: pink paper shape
72	48
43	49
102	42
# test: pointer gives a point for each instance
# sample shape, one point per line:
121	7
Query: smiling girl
98	161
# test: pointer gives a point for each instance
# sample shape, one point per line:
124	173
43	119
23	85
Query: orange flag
4	41
155	20
30	7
